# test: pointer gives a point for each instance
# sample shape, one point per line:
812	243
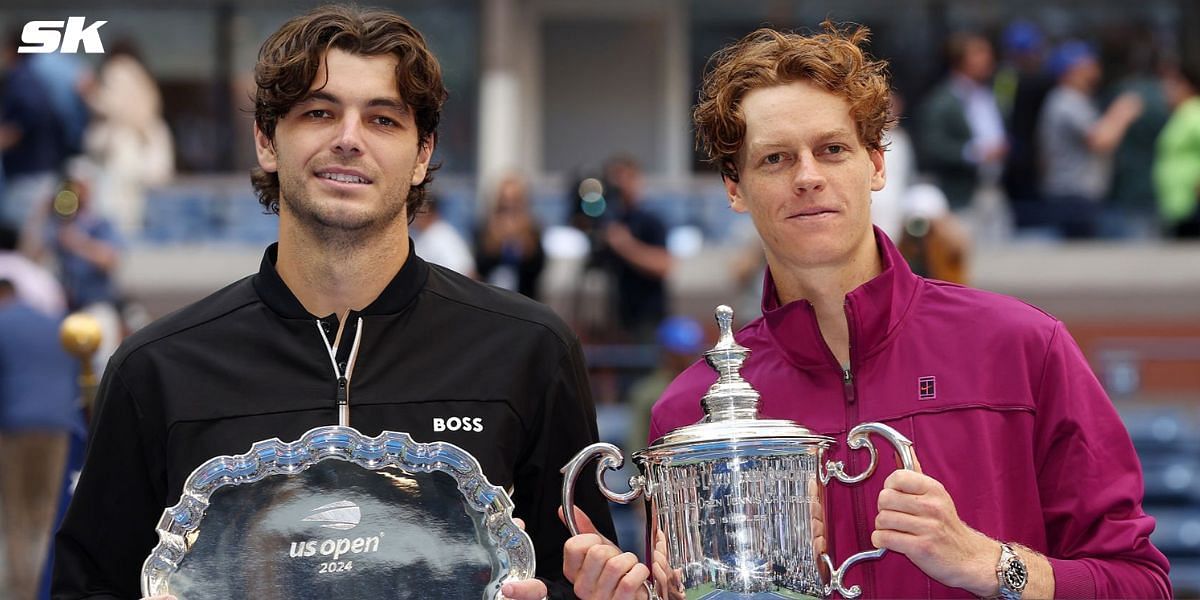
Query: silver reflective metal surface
339	514
736	504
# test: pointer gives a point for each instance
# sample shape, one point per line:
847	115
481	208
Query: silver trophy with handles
736	504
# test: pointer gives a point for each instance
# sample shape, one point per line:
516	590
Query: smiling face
348	153
805	177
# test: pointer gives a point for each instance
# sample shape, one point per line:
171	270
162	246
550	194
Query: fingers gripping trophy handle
611	459
859	437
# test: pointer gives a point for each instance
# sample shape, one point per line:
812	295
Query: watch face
1015	575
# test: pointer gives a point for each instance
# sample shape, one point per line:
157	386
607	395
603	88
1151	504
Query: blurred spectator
887	205
1177	161
33	143
38	411
1130	208
934	242
583	238
65	76
1021	86
34	285
508	246
637	240
128	137
680	341
1076	142
962	140
87	249
439	242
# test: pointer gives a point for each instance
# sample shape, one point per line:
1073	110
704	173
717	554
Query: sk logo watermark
44	37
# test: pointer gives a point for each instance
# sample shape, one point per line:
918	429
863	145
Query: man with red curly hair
1028	484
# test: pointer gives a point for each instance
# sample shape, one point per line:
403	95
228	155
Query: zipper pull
343	401
848	385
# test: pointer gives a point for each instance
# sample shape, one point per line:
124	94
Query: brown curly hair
290	59
833	60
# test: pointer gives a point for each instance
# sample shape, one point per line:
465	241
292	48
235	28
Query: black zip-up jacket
248	363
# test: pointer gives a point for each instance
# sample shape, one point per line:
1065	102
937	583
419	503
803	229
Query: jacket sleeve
109	528
1090	482
566	424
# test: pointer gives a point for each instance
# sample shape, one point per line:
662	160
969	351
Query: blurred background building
545	93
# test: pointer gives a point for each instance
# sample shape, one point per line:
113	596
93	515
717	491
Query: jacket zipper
848	385
343	373
856	492
342	398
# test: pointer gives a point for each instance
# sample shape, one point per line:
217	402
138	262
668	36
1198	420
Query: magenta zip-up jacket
1002	409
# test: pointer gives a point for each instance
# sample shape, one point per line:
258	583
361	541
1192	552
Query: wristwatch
1012	574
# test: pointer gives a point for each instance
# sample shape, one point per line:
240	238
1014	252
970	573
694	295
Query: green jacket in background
1177	163
944	135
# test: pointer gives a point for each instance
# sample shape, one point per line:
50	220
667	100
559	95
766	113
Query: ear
424	155
264	148
878	169
736	201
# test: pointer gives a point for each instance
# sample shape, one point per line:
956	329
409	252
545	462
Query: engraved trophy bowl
736	504
339	514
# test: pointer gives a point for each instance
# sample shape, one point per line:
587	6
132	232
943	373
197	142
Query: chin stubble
329	228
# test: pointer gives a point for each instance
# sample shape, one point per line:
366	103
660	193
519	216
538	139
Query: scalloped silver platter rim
334	442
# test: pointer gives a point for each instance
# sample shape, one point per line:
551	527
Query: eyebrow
833	133
320	95
823	136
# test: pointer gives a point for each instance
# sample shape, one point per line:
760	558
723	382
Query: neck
331	273
1079	86
825	287
962	76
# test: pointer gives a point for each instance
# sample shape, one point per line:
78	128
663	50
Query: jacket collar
403	288
875	310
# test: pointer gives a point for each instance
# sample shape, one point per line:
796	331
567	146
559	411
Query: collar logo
927	387
337	515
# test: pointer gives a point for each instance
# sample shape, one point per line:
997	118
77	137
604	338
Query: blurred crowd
1026	137
1040	139
78	146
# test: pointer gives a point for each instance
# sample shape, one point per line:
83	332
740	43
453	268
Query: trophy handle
859	437
611	459
856	439
835	575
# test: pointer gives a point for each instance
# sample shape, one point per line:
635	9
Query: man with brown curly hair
1028	484
346	117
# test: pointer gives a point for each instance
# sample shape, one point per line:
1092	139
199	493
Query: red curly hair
833	60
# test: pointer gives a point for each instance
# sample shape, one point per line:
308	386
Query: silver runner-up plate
337	514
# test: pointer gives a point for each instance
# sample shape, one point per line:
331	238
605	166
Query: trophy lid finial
731	397
724	315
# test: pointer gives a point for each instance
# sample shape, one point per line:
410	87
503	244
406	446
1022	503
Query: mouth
344	176
813	213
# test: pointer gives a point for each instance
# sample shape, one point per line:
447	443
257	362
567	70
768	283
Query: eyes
829	151
317	114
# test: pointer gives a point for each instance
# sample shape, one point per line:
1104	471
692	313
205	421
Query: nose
348	138
809	177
